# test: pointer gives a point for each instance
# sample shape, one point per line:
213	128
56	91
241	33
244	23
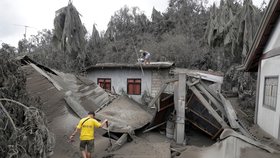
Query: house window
104	83
270	92
134	86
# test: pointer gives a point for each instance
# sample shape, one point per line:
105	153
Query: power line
25	28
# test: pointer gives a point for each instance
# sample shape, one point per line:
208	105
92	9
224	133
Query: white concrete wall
274	40
119	79
269	119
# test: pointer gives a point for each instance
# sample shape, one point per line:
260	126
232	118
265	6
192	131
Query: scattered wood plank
214	94
231	115
163	87
154	127
119	143
213	100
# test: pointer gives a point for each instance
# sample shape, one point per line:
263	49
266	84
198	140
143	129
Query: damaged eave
212	76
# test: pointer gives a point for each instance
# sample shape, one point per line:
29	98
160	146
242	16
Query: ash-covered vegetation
23	130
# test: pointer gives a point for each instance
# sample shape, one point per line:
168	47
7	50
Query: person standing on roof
86	127
146	56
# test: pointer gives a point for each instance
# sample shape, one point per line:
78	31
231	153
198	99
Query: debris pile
195	103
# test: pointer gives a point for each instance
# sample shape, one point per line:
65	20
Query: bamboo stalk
8	116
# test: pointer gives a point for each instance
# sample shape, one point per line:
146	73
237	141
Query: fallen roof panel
124	115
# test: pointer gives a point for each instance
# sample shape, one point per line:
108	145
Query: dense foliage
189	32
23	131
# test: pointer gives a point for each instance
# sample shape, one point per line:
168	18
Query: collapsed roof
66	98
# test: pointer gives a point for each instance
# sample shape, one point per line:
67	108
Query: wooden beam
231	115
213	100
170	80
163	87
207	105
214	94
167	106
205	119
196	125
180	110
154	127
189	100
169	96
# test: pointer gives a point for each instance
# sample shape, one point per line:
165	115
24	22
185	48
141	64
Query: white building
264	57
132	79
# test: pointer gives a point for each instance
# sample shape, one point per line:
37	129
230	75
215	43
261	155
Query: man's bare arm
74	133
104	123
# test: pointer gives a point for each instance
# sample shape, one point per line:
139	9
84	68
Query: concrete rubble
196	103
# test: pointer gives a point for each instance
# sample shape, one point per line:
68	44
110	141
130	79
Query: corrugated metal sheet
124	115
84	91
60	120
232	146
50	87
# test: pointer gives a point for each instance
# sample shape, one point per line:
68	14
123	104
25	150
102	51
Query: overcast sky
39	14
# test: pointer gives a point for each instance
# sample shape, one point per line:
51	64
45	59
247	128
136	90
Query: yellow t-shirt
87	129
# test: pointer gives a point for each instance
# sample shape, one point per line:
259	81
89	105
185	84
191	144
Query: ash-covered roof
152	65
206	75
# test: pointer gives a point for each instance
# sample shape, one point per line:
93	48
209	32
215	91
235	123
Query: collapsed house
197	104
195	100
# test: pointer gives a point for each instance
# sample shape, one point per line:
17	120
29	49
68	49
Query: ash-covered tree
69	38
232	26
124	33
94	48
229	34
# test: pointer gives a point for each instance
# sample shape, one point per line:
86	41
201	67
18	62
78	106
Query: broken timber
207	105
232	118
231	115
213	100
163	87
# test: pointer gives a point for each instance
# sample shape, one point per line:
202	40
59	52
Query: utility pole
25	29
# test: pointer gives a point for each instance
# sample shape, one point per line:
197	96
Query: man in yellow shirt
86	127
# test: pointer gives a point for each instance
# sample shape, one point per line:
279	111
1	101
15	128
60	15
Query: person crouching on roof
146	56
86	127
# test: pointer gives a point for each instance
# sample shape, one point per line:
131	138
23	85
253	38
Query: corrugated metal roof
60	120
206	75
124	115
232	145
50	87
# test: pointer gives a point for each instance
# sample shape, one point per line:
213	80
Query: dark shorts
87	145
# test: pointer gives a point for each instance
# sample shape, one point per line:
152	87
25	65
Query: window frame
134	83
104	81
271	107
